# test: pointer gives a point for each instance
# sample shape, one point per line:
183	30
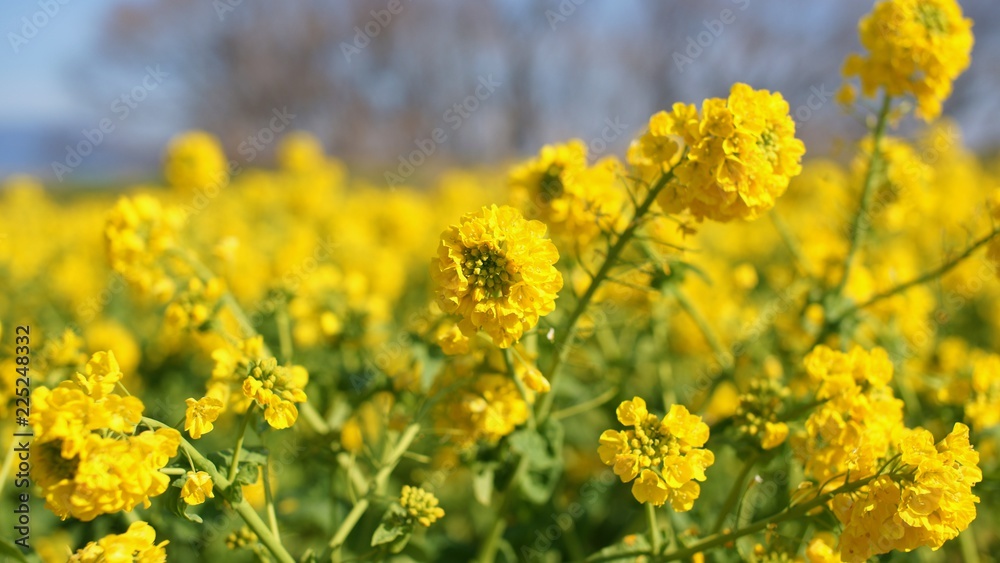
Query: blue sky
49	97
37	89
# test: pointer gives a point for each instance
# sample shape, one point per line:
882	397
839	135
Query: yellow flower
197	487
134	546
915	47
854	428
451	340
496	270
929	502
200	414
659	148
138	231
757	414
100	375
821	549
420	505
232	363
479	401
88	460
666	456
557	187
276	389
300	151
351	437
774	435
983	410
193	307
195	161
740	156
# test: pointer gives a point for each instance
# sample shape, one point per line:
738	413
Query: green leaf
542	449
635	543
482	482
395	529
529	444
250	461
177	505
11	552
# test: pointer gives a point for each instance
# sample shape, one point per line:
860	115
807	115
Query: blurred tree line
374	77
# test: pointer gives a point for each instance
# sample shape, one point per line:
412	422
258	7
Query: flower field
718	346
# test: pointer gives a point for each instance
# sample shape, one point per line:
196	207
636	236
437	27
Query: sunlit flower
134	546
200	414
197	488
496	270
666	456
914	47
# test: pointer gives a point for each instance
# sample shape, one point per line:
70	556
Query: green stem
789	239
492	543
488	550
234	468
309	413
735	492
920	280
654	530
565	337
861	220
967	543
348	523
508	360
284	332
8	461
222	485
272	517
586	405
723	356
378	484
718	540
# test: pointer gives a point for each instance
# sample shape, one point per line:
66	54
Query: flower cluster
478	407
496	271
578	202
276	389
853	429
193	307
915	47
741	152
90	461
195	161
928	506
136	545
138	231
421	506
757	414
983	408
665	457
